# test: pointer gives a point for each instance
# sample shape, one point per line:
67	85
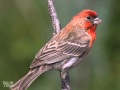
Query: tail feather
27	80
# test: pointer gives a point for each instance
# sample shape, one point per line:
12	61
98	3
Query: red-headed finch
65	50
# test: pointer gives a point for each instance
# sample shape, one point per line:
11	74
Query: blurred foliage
25	27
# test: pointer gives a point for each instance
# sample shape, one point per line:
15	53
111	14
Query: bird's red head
88	12
88	18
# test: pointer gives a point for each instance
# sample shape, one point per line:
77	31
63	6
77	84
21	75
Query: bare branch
53	14
56	26
65	80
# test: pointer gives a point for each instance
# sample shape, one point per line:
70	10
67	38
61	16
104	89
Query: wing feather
56	51
73	49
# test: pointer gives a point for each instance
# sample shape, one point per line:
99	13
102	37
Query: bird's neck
92	33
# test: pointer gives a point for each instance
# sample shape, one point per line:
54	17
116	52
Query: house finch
65	50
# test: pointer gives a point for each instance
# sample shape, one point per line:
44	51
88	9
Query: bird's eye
88	17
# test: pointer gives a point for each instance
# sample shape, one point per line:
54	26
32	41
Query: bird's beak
97	21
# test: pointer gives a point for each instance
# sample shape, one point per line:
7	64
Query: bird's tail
25	82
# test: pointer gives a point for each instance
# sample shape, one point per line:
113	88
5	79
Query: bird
64	50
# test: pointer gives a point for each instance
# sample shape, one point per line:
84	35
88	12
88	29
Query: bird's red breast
92	34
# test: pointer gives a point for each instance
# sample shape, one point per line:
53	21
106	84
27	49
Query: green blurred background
25	26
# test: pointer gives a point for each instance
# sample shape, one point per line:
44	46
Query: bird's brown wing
55	51
73	49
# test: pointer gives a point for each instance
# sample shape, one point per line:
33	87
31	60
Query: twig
56	26
65	80
53	14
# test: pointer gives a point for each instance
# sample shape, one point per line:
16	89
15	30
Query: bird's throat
92	33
